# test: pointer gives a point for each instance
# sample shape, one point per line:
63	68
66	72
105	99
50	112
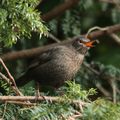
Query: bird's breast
68	64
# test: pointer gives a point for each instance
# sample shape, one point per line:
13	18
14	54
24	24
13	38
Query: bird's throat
83	50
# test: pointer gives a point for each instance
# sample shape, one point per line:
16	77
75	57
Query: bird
58	64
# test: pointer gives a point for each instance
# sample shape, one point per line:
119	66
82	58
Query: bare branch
105	92
11	79
7	80
115	37
59	10
54	38
4	111
91	69
22	103
9	75
37	51
40	98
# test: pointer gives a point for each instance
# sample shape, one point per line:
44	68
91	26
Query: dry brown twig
75	116
22	103
9	80
95	28
40	98
4	111
115	37
104	91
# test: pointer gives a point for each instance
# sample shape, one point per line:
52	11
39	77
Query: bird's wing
44	57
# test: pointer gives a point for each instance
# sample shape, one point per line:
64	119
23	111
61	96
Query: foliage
102	110
4	87
74	91
63	108
109	75
17	19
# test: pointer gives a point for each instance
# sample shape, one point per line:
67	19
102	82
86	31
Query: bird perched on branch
58	64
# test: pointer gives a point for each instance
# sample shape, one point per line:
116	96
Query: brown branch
59	10
91	69
36	51
109	30
28	53
104	91
9	75
74	117
4	110
40	98
22	103
7	80
54	38
11	79
115	37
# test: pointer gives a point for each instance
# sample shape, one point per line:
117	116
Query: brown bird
57	65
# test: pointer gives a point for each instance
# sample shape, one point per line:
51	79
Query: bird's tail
22	80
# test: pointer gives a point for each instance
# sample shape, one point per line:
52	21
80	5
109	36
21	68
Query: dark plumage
56	65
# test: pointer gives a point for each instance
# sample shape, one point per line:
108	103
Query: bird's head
82	44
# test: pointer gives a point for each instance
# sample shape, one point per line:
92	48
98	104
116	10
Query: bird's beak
90	44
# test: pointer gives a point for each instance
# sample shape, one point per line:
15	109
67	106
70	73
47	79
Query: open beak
90	44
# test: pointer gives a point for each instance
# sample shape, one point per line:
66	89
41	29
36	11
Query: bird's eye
80	41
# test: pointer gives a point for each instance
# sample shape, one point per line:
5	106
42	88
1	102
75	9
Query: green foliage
98	110
74	91
4	87
115	15
112	71
73	27
102	110
17	19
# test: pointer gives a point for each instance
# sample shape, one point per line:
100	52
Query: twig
95	28
7	80
109	30
113	85
54	38
16	90
4	111
21	103
75	116
9	75
91	69
2	76
118	91
105	92
81	108
11	79
115	37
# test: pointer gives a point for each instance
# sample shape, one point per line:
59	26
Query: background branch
36	51
59	10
